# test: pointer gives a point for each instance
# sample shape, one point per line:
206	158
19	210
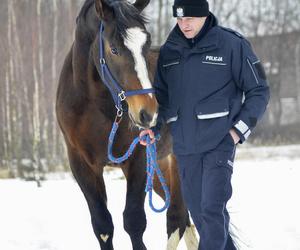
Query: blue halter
120	95
114	87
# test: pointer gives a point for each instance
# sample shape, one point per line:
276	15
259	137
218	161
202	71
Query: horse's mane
125	14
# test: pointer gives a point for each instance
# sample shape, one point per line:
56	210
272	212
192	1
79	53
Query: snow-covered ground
265	208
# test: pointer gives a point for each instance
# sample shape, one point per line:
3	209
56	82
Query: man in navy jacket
212	90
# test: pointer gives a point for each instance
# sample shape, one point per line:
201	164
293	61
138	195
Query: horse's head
126	47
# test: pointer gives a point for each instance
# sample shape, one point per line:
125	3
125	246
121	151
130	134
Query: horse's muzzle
145	117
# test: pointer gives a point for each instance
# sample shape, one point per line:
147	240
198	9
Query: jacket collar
210	40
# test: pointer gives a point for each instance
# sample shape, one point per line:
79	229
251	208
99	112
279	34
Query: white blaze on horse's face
135	41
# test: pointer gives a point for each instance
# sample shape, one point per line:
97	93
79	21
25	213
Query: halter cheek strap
117	92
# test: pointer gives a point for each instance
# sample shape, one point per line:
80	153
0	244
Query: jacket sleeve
250	77
161	93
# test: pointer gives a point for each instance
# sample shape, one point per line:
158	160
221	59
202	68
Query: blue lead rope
151	168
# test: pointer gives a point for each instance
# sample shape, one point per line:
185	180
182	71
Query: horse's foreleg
93	188
178	222
134	216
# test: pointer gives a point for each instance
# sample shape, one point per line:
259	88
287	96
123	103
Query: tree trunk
54	128
9	79
36	110
159	22
297	67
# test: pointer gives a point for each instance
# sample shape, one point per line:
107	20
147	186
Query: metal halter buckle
122	95
102	61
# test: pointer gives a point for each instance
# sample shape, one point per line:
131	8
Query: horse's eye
114	51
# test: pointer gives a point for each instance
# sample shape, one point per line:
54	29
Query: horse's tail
235	240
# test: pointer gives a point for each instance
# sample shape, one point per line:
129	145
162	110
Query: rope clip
118	119
119	111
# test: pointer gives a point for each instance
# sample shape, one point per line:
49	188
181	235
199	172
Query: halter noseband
117	92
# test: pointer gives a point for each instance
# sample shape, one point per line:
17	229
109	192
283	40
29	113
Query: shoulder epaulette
233	32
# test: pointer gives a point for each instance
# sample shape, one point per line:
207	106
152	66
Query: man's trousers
206	187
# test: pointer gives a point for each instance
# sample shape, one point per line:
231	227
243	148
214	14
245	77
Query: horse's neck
86	32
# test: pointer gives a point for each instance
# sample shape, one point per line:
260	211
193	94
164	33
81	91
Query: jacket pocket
172	119
225	159
211	109
170	62
172	116
227	145
252	62
212	121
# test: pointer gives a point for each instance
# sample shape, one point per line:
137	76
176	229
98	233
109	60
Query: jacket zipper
250	65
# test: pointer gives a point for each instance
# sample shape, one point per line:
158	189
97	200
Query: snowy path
265	207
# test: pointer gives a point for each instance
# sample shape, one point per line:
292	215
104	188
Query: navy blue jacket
205	90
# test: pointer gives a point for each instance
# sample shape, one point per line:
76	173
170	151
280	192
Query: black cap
190	8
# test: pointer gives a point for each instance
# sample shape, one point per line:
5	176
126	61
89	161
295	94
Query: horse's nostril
145	117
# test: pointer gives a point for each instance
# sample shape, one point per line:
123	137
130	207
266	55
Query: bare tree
32	54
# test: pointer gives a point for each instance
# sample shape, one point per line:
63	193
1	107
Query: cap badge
180	12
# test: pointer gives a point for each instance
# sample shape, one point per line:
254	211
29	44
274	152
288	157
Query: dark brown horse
86	111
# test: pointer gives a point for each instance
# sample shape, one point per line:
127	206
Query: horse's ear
104	11
141	4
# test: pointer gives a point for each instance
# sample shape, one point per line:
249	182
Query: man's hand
234	136
145	132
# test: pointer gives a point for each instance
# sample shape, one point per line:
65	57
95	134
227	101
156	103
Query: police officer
212	90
